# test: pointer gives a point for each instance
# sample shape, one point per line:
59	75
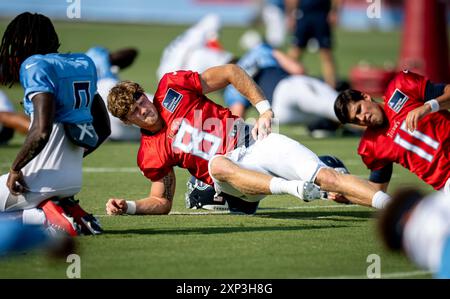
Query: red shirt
424	152
195	129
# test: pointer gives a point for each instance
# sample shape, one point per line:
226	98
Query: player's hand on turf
15	183
116	206
263	126
415	115
337	197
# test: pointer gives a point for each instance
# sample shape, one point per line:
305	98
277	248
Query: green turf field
285	239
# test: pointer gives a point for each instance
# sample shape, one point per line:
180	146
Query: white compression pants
303	99
55	172
276	155
119	130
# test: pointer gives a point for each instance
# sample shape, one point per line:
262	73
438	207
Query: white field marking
110	169
136	170
262	213
383	275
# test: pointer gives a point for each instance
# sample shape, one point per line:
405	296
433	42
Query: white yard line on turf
262	210
383	275
110	169
136	170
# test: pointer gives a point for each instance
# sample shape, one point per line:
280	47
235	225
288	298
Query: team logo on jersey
171	100
397	100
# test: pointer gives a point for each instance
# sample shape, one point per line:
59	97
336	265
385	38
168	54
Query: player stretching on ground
411	129
182	127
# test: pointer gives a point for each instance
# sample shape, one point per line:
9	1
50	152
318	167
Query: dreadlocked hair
28	34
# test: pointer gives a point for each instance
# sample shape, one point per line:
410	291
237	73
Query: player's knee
221	168
328	179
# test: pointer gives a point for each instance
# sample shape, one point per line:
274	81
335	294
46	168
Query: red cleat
87	222
57	218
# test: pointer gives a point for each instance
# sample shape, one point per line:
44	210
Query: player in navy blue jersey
68	121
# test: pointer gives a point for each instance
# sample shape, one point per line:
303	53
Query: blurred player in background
197	49
108	65
272	13
68	120
295	98
10	121
419	227
411	129
182	127
314	19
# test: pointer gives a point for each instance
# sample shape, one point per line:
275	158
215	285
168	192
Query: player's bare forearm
218	77
160	198
159	201
39	132
153	206
290	65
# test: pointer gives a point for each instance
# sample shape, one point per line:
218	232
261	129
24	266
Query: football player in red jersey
411	129
182	127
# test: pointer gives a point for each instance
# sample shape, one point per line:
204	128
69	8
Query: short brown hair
342	102
122	96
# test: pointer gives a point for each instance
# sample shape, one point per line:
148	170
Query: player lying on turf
411	129
182	127
60	96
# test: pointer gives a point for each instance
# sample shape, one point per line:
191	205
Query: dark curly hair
28	34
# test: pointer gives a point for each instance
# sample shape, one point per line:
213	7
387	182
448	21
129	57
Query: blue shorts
313	25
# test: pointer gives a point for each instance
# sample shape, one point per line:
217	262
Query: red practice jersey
424	152
195	129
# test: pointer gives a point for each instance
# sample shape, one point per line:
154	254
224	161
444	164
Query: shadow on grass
319	215
218	230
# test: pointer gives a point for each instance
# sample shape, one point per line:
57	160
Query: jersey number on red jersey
416	142
194	144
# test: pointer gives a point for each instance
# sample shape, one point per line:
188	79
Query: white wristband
434	104
263	106
131	207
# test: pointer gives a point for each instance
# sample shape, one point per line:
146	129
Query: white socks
33	217
380	200
282	186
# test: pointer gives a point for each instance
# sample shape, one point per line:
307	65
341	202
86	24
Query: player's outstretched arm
37	138
441	102
287	63
218	77
158	202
